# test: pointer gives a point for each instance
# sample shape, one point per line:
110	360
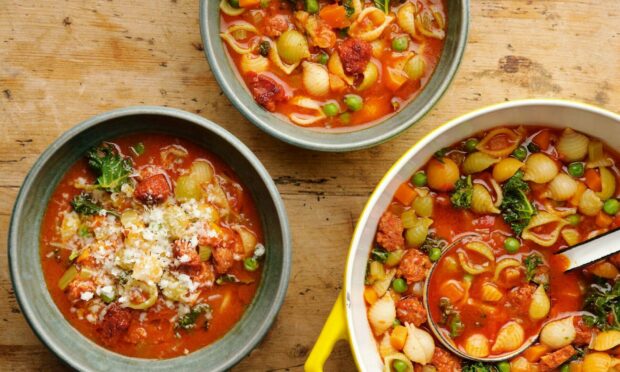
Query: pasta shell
608	182
571	236
253	63
482	202
562	187
540	305
597	157
504	264
510	138
605	270
389	360
359	29
423	206
424	24
315	78
308	104
228	9
598	362
506	169
477	162
559	211
334	65
520	364
510	337
606	340
371	74
420	346
385	346
405	17
415	67
572	146
381	314
477	346
590	204
491	293
558	333
228	37
381	286
540	168
274	56
549	237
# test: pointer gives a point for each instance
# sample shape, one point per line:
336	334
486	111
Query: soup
487	215
328	64
151	247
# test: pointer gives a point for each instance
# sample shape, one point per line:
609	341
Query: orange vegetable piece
543	139
370	295
603	220
405	194
534	353
453	290
398	337
593	180
442	175
335	16
249	3
394	78
574	200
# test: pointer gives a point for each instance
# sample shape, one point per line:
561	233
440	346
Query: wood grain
64	61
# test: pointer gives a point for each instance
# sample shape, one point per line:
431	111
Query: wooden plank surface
64	61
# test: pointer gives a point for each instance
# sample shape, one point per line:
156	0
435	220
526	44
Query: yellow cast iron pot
347	320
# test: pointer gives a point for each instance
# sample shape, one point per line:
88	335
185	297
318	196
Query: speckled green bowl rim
235	90
232	357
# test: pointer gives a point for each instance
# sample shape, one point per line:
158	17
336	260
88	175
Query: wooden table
64	61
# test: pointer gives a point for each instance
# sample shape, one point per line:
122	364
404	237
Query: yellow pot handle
334	330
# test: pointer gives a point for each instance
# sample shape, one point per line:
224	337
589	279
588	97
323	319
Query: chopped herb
343	32
348	7
516	208
138	148
479	367
226	278
263	48
383	5
74	255
433	241
451	317
439	155
531	265
603	302
462	196
379	254
83	231
84	204
533	147
113	169
188	321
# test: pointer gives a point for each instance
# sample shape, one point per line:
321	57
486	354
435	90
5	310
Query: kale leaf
379	254
462	196
531	264
516	209
603	301
84	204
348	6
451	317
188	321
479	367
113	169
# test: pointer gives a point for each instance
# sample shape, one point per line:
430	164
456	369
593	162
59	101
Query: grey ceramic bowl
26	273
237	93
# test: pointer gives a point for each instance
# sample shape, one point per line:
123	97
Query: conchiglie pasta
420	346
371	74
382	285
540	304
423	205
425	20
558	333
510	337
416	235
598	362
405	17
590	204
382	314
540	168
504	264
608	184
228	37
253	63
334	65
490	293
385	346
388	362
562	187
597	157
477	162
550	236
315	78
506	168
507	137
520	364
572	146
477	346
571	236
308	104
292	47
228	9
415	67
360	30
274	57
606	340
605	270
482	202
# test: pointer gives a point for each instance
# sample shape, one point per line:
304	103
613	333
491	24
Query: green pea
576	169
470	145
396	322
419	179
565	368
574	219
234	3
434	254
512	245
353	102
312	6
399	285
611	207
400	44
331	109
250	264
503	366
399	366
345	118
533	147
520	153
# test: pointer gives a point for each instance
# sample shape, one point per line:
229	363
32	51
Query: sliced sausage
414	266
115	323
390	232
445	361
276	25
552	361
583	332
518	300
355	55
153	190
187	255
411	310
266	91
224	258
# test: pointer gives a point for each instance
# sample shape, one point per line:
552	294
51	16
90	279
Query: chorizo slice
355	55
153	190
390	232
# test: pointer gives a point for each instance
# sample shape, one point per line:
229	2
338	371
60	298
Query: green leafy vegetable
432	241
383	5
479	367
603	301
462	196
451	317
84	204
516	208
379	254
439	155
531	264
188	321
348	7
113	169
226	278
138	148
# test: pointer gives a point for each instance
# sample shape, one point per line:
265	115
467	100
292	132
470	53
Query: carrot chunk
593	180
405	194
534	353
335	16
398	337
370	295
543	139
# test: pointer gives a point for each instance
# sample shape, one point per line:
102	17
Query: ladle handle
592	250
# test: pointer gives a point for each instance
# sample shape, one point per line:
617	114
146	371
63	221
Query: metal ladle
578	256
